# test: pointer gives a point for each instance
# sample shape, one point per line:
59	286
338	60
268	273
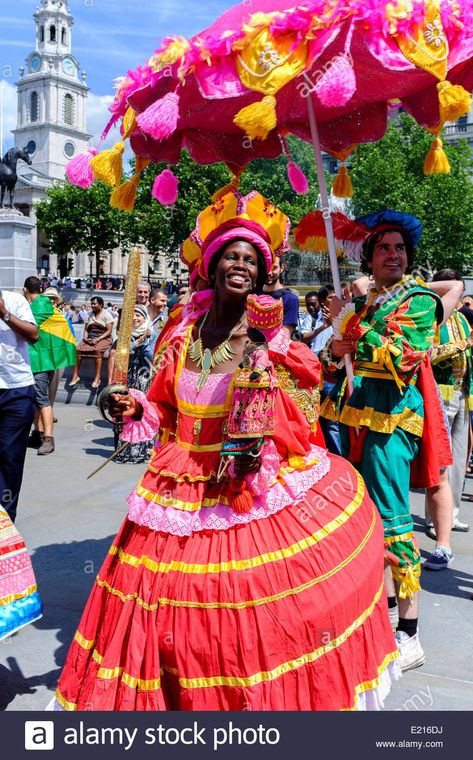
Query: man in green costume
388	332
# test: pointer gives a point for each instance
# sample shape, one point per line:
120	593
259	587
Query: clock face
35	63
68	66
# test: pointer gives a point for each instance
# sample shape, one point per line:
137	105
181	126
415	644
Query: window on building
34	106
68	109
41	34
462	123
52	33
63	35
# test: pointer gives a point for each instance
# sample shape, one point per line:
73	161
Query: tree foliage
386	174
78	221
389	174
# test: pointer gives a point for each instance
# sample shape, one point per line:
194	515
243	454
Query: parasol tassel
297	178
108	166
258	119
436	161
165	188
342	186
160	119
123	197
241	499
454	101
337	85
79	171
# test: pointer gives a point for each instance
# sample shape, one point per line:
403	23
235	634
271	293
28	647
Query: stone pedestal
17	248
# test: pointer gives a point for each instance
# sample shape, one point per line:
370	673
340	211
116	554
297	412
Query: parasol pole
332	248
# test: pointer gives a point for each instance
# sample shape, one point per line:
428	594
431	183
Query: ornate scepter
122	355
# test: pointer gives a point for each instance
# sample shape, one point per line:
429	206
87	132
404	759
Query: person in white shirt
313	324
17	404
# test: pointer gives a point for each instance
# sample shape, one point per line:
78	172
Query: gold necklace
207	359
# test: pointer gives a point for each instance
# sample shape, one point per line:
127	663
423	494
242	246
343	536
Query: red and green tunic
393	331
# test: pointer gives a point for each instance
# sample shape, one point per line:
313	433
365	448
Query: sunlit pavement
69	522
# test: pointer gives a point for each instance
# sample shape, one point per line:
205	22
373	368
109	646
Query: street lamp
91	263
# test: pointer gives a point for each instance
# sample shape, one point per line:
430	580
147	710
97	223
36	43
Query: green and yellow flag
56	346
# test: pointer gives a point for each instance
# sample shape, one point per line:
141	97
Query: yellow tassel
342	187
123	197
454	101
436	161
259	119
107	166
141	164
129	122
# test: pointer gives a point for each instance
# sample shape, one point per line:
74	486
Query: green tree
76	220
389	174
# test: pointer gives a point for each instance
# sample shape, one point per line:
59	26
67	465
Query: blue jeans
17	408
330	427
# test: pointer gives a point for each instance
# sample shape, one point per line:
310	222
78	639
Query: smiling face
390	261
236	271
142	293
159	301
96	306
275	273
138	319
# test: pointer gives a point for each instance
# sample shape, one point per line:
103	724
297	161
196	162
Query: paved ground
69	523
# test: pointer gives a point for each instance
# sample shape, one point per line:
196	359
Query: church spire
53	27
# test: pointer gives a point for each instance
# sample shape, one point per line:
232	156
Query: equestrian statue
8	175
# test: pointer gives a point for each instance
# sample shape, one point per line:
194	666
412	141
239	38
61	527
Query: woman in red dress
206	604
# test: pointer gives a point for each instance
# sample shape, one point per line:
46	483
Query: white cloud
98	114
8	96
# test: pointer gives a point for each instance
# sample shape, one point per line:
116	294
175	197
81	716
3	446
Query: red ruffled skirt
282	613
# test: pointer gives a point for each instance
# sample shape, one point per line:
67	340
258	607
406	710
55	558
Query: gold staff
122	354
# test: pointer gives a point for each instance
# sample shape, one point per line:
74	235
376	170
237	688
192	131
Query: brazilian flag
56	346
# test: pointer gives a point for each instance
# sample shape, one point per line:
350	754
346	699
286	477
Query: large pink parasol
349	59
327	71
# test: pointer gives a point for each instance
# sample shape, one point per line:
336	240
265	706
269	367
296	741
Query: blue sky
109	37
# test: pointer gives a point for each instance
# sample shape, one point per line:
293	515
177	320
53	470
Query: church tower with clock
52	95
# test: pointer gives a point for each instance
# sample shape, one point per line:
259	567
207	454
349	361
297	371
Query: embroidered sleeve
448	350
408	335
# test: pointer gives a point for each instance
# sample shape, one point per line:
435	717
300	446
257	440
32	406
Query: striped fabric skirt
20	603
287	612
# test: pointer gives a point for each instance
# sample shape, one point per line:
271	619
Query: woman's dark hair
369	244
325	292
99	300
262	271
448	274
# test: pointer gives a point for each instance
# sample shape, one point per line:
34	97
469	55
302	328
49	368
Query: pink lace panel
220	517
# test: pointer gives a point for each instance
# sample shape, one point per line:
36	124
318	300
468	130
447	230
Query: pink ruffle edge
221	517
137	431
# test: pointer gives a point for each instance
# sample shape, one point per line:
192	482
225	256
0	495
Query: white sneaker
411	654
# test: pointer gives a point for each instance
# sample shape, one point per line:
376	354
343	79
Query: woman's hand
246	464
342	347
123	406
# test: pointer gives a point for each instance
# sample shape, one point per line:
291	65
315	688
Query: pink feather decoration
297	178
79	171
165	188
160	119
337	85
